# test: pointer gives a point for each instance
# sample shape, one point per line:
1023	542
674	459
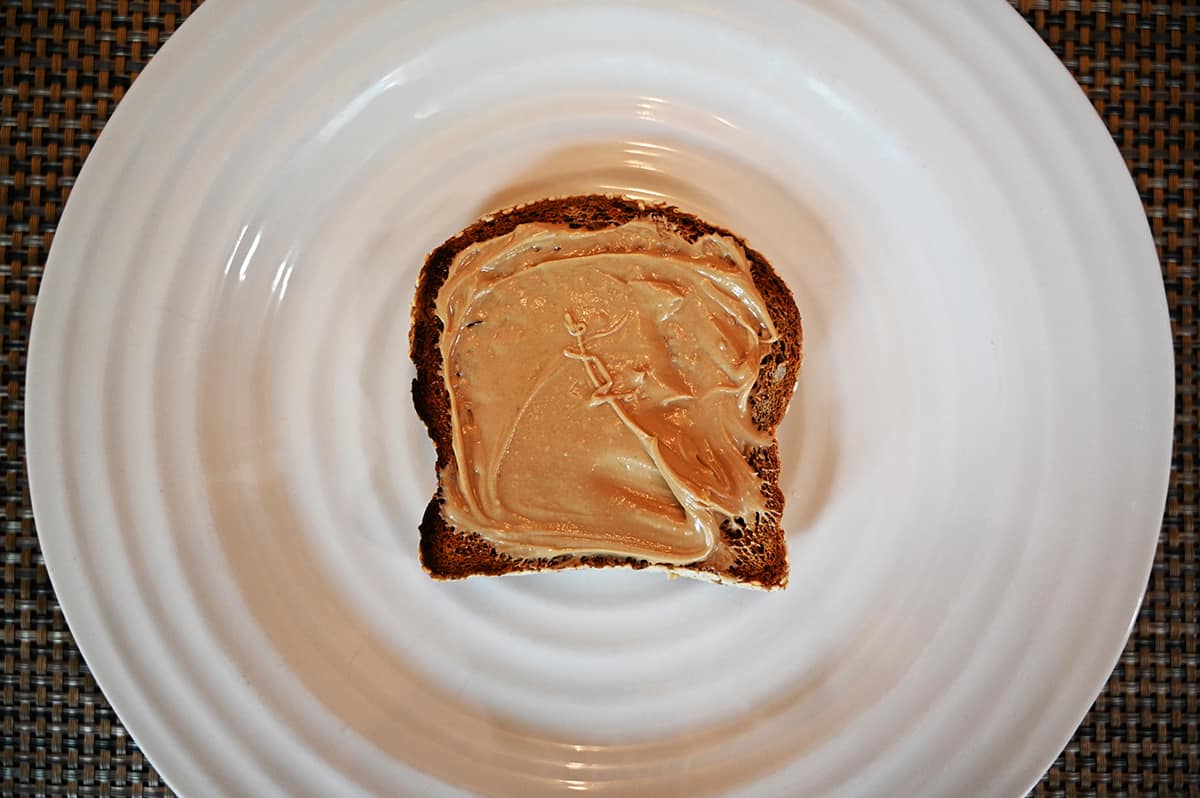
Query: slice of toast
750	552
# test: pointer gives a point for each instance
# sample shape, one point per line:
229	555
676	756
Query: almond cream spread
599	386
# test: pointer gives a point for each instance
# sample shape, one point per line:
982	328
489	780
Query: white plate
228	473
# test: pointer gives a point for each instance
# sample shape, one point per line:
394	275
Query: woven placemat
67	63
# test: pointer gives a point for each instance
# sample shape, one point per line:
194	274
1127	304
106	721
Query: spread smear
599	387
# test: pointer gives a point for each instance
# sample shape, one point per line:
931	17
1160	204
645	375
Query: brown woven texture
65	65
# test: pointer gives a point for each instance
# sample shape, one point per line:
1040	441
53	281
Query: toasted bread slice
751	551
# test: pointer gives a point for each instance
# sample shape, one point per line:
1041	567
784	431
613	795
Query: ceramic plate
228	473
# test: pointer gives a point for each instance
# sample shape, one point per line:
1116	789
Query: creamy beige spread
599	388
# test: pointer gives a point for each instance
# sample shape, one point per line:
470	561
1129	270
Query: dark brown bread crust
757	545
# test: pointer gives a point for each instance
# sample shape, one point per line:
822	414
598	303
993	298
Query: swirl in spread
599	386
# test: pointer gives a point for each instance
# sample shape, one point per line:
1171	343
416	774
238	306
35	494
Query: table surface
65	65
